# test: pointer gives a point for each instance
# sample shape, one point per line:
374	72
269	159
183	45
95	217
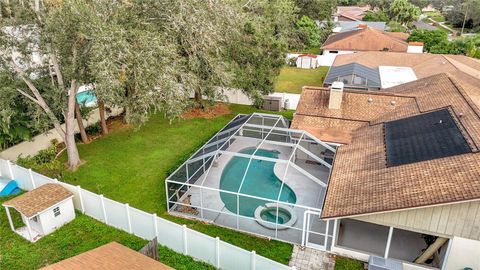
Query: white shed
43	210
307	61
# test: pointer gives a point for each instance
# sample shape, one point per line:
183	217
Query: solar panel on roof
423	137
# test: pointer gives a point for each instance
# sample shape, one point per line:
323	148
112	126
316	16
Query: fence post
82	207
10	169
31	178
185	250
217	252
252	260
103	208
127	209
155	225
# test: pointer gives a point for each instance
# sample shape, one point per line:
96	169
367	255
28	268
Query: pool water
271	215
86	97
260	181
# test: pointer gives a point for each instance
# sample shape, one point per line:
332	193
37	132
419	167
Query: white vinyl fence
147	226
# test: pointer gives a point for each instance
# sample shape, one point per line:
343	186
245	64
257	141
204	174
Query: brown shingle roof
352	12
367	39
358	108
360	181
39	199
111	256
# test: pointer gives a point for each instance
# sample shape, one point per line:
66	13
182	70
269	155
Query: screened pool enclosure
258	175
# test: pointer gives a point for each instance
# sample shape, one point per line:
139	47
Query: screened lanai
257	175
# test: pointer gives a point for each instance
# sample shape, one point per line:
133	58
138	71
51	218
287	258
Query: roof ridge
376	92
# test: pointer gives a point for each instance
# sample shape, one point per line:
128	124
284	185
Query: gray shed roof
349	26
370	74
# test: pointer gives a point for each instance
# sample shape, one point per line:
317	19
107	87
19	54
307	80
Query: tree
378	4
319	10
396	27
135	64
259	50
420	3
376	16
403	11
465	14
310	32
428	37
20	119
59	33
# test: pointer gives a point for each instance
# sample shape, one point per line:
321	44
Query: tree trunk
103	122
72	151
81	127
198	99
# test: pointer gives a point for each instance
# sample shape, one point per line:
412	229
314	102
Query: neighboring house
307	61
365	39
350	13
43	210
404	183
345	26
111	256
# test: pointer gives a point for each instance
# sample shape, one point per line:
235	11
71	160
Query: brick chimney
336	95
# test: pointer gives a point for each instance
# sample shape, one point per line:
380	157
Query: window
359	80
333	51
346	79
56	211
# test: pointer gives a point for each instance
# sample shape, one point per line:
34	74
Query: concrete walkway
43	141
311	259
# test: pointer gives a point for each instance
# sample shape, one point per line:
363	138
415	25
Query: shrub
92	130
44	162
429	37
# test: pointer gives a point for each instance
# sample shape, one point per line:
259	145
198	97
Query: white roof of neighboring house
392	76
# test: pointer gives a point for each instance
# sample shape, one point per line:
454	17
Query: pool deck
308	192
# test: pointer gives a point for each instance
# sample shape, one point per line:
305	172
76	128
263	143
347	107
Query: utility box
380	263
272	103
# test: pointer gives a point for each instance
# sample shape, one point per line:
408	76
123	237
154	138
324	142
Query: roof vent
393	102
370	100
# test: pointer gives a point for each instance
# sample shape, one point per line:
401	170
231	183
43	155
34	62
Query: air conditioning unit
380	263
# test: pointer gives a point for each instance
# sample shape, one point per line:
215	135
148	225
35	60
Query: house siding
461	219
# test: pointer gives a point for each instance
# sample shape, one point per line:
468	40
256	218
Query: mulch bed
208	113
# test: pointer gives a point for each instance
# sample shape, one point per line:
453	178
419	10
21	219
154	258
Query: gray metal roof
371	75
349	26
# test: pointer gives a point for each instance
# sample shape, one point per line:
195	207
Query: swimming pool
87	98
260	181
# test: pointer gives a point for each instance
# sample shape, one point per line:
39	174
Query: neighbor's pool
260	181
86	97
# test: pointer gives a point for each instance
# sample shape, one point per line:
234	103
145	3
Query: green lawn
80	235
131	166
292	79
342	263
